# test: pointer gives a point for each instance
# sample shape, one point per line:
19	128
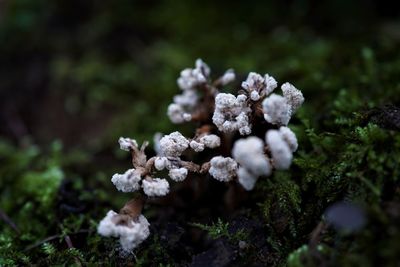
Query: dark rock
253	228
69	201
219	255
387	117
345	216
171	234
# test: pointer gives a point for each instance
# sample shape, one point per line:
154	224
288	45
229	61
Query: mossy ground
76	75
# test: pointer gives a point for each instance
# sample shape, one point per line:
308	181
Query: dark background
71	69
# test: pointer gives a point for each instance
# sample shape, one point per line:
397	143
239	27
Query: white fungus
223	169
130	235
127	182
228	77
254	96
246	179
187	116
178	175
188	99
277	110
176	114
243	148
260	165
203	67
231	113
197	146
270	84
293	96
289	137
173	145
210	140
155	187
160	163
258	86
180	110
191	78
127	144
280	150
249	153
254	81
184	104
156	140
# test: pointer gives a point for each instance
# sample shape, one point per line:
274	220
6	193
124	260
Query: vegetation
76	75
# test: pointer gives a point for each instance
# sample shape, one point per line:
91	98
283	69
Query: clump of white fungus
127	182
131	232
246	179
155	187
258	86
208	140
249	153
228	77
127	144
203	101
232	114
197	146
223	169
289	137
178	175
191	78
173	145
177	114
293	96
160	163
279	109
180	110
282	143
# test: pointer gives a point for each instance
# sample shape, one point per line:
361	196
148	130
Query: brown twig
139	157
8	220
149	165
315	239
205	167
70	245
133	208
68	241
50	238
193	167
315	234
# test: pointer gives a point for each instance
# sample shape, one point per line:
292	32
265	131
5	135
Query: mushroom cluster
247	133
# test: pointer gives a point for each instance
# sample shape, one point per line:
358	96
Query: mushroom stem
133	208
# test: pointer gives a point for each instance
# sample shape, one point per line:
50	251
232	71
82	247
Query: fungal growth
242	137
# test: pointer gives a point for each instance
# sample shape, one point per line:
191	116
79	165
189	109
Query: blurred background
76	75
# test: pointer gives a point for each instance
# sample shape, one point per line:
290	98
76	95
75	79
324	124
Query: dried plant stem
70	245
8	220
133	208
50	238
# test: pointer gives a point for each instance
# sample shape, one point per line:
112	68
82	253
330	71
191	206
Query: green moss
220	229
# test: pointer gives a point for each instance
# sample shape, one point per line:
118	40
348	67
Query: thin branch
68	241
70	245
149	166
50	238
193	167
8	220
133	208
